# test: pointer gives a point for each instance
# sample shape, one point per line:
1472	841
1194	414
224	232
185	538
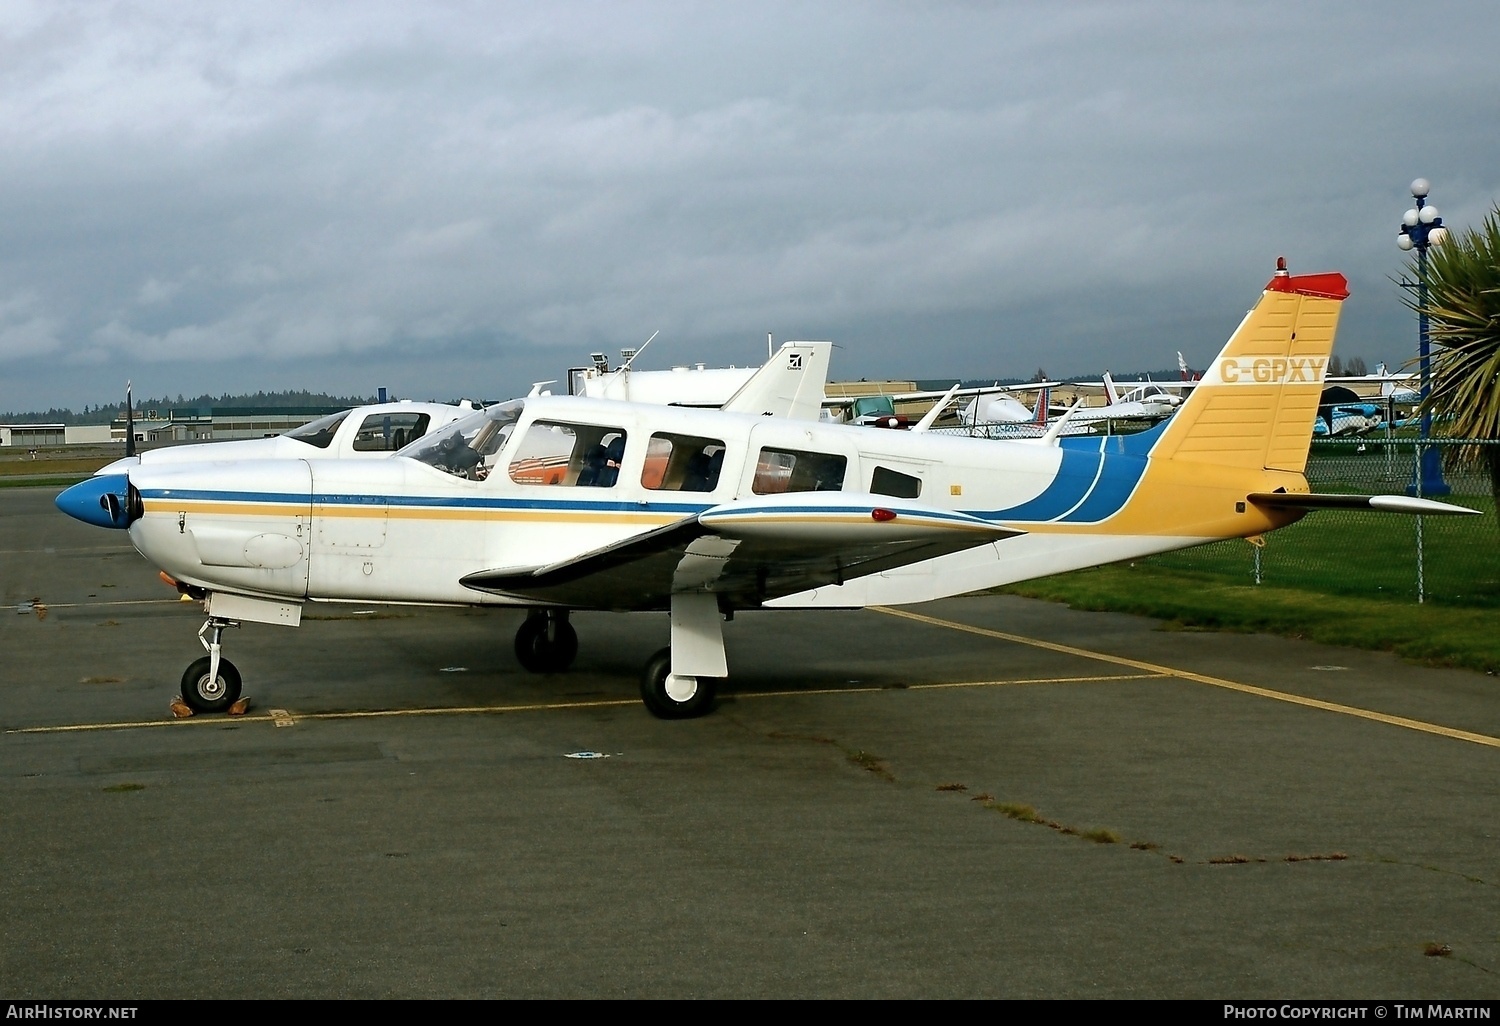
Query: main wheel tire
671	697
541	653
210	696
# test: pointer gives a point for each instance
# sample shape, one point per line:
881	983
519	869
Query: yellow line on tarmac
102	605
1094	679
279	717
285	718
1218	682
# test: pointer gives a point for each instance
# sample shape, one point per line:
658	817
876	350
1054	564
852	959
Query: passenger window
387	432
580	455
890	482
790	470
682	463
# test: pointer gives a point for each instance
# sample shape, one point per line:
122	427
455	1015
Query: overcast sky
460	198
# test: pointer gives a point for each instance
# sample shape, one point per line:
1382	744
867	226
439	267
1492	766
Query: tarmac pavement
1212	815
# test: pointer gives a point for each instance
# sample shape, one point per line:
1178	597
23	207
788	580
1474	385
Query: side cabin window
387	432
577	455
894	483
792	470
682	463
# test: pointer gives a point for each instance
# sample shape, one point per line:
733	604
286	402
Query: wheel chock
239	708
180	708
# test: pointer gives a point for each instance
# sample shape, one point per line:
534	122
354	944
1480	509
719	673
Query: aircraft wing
969	393
750	552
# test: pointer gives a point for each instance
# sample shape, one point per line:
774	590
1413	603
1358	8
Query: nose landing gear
211	683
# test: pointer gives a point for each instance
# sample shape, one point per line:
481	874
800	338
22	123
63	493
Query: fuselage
564	476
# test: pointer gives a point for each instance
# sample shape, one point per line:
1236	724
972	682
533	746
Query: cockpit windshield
467	447
319	432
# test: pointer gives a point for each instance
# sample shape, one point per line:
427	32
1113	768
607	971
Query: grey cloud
223	197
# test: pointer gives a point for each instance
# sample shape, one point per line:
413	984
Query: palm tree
1463	308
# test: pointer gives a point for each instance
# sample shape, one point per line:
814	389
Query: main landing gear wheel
546	643
673	697
205	695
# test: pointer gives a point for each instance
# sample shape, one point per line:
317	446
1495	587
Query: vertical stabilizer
1043	407
789	385
1254	406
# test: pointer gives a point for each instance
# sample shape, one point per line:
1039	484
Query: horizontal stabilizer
1375	503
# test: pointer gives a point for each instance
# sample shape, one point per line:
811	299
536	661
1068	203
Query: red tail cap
1328	285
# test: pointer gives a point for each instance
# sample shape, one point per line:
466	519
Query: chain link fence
1452	560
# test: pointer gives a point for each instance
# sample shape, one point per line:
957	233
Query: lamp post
1420	228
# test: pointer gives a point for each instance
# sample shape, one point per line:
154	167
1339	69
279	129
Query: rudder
1254	406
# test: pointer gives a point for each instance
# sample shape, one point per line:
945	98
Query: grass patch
953	787
871	763
43	481
122	788
1433	634
1101	836
85	466
1018	811
1336	856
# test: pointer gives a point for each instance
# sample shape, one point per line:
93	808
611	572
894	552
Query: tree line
105	413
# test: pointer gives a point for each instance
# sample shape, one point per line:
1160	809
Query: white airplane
1402	389
1347	419
363	432
556	503
705	387
1004	408
381	429
1149	401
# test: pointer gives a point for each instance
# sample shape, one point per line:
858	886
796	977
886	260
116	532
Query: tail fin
790	384
1043	407
1254	406
1111	394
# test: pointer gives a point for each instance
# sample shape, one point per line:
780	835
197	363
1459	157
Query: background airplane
1401	389
363	432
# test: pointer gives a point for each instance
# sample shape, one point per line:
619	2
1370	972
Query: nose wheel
211	683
